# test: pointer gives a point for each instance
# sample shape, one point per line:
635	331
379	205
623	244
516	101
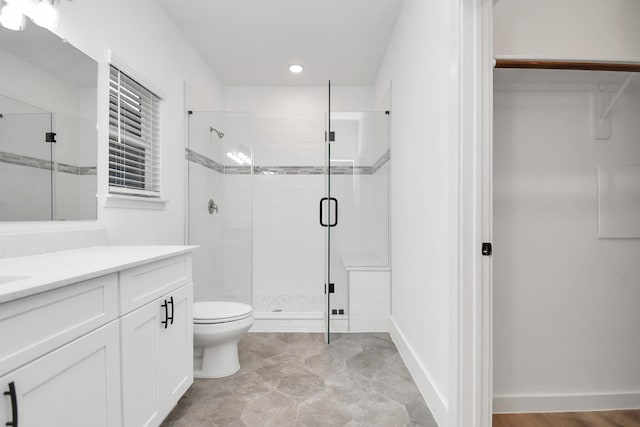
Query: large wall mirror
47	92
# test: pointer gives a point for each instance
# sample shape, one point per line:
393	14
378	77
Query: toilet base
219	361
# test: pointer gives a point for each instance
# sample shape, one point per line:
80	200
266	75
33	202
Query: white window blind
134	138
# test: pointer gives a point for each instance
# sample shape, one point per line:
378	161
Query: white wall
147	41
75	195
565	301
145	27
289	121
30	84
568	29
417	63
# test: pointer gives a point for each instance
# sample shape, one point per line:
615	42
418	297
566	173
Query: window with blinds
134	138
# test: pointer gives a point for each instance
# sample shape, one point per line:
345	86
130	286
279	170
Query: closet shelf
567	65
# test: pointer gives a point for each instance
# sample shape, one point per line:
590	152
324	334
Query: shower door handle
333	202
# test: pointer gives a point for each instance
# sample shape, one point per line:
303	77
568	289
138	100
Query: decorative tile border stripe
351	170
34	162
381	161
289	170
237	170
62	167
312	170
192	156
77	170
87	170
18	159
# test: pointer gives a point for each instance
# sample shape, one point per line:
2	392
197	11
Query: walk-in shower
219	205
288	207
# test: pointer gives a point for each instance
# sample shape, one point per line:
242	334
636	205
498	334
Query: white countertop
28	275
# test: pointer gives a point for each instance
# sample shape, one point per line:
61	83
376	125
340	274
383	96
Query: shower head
220	134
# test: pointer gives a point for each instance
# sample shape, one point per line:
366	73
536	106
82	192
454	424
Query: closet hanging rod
547	64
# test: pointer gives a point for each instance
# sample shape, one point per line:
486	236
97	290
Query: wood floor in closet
627	418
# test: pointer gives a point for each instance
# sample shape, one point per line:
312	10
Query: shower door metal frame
328	285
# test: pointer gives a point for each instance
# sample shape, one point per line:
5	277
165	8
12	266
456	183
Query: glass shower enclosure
282	215
355	208
219	164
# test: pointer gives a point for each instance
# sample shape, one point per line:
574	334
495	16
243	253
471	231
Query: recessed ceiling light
296	68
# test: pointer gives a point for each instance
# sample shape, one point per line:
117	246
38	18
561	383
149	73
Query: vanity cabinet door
140	336
176	349
157	357
77	385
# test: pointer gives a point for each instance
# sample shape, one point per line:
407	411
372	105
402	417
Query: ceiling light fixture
11	17
45	14
296	69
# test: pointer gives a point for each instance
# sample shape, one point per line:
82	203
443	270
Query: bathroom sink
6	279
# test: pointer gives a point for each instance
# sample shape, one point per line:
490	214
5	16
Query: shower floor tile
289	379
288	303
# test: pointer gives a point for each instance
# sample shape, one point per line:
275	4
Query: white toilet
217	327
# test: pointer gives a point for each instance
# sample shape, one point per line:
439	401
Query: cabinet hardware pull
14	405
172	310
165	322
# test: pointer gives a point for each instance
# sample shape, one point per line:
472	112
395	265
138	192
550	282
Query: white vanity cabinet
76	385
157	341
112	350
60	357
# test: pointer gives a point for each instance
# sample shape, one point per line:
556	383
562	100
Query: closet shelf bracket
616	97
603	106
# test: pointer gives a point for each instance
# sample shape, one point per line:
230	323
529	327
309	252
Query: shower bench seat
369	284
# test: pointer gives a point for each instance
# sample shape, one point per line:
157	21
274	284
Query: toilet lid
218	311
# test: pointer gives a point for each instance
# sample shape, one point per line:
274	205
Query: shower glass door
355	209
328	222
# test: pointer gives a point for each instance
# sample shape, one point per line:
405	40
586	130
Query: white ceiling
253	42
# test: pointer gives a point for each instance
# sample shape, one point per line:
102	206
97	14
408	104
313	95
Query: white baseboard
432	396
566	403
297	322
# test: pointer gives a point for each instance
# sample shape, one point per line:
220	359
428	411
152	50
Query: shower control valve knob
212	206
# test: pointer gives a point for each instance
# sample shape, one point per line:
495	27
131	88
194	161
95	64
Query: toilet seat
212	312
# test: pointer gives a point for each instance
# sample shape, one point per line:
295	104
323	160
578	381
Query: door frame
471	318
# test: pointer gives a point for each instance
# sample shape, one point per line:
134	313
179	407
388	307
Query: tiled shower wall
289	156
288	243
222	265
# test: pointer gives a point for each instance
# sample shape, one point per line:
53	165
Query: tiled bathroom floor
297	380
